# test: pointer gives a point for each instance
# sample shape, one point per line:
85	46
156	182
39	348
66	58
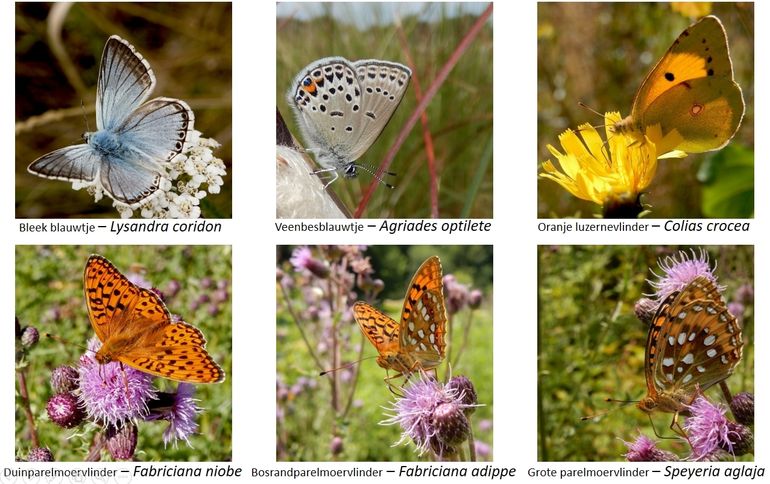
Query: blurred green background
459	116
306	421
591	346
49	296
188	46
599	53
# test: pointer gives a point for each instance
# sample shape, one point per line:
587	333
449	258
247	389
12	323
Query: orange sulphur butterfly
691	90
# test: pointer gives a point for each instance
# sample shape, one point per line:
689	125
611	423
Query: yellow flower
610	173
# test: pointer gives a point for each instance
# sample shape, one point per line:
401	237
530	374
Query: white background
515	238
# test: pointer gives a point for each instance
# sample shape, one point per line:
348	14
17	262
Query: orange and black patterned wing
423	318
379	328
179	353
113	301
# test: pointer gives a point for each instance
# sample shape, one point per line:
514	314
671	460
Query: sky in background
365	14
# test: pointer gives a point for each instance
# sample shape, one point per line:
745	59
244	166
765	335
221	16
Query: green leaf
728	178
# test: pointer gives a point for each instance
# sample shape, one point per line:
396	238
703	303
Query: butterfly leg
125	377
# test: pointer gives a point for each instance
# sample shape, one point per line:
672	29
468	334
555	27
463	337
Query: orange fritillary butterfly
135	328
417	341
694	342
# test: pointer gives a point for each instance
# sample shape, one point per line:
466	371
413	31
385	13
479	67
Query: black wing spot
669	76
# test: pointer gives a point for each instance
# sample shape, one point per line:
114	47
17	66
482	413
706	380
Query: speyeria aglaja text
135	328
417	341
694	342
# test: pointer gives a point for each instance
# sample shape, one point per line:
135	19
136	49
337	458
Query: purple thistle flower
736	309
113	393
302	259
64	411
465	391
644	449
475	298
337	445
39	454
679	270
64	379
180	410
745	294
483	450
30	336
708	430
743	408
456	294
121	441
645	309
416	413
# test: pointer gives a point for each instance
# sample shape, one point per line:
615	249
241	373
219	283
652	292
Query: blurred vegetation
188	46
459	117
599	53
49	296
306	419
591	346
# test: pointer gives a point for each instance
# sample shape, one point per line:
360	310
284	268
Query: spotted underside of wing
423	318
694	341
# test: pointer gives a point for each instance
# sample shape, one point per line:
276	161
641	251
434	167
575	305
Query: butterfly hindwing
380	329
72	163
179	354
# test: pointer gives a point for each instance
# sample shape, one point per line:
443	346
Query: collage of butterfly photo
612	345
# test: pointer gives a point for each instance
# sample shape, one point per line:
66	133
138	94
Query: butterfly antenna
376	176
622	403
85	118
68	343
348	365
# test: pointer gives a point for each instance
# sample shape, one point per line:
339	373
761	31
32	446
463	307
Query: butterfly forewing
694	341
707	57
423	318
125	82
114	302
135	328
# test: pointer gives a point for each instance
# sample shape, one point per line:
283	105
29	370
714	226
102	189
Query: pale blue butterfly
342	107
134	139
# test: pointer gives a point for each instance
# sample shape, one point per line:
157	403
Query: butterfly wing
326	97
135	328
73	163
125	82
150	136
383	85
698	343
700	51
115	304
344	107
381	330
423	318
179	353
707	112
